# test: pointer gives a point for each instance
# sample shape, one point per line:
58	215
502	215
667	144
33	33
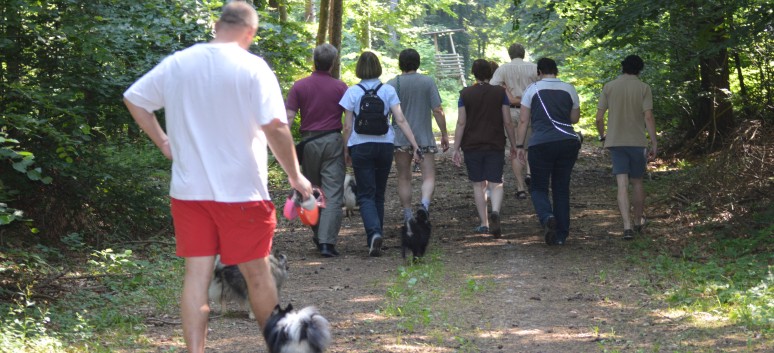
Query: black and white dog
228	284
350	194
297	331
415	234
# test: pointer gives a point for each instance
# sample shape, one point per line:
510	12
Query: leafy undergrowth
99	307
719	270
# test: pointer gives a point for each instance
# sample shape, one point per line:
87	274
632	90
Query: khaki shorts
515	114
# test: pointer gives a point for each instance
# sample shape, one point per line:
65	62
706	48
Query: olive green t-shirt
627	99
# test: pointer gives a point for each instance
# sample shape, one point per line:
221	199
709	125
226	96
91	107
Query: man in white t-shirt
222	106
516	76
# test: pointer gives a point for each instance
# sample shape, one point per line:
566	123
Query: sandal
527	179
481	230
521	195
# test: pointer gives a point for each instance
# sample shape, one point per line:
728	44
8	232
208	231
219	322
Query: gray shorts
629	160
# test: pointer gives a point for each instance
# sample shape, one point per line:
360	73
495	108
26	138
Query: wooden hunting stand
448	64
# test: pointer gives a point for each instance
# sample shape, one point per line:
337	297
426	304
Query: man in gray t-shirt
419	100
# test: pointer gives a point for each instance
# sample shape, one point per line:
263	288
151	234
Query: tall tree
324	16
337	11
308	11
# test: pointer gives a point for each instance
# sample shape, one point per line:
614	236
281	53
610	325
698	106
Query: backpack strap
373	89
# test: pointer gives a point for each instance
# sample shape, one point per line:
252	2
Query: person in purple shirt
321	149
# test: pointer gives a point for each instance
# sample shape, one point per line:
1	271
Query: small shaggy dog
415	234
350	194
297	331
228	284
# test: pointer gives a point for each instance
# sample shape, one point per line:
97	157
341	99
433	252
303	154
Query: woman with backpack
369	137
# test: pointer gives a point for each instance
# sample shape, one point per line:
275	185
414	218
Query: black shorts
485	165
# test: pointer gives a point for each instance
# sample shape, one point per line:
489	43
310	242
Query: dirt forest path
513	294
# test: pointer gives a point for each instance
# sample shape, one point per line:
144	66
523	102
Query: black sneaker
628	234
494	224
375	250
549	230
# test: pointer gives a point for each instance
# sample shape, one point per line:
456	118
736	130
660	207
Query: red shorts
238	231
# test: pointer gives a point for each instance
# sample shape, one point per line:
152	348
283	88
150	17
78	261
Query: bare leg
623	199
480	198
194	304
403	165
496	195
638	200
518	171
428	177
261	288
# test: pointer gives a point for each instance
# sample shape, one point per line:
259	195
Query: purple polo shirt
317	97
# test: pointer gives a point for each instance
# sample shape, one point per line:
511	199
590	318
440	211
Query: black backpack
371	120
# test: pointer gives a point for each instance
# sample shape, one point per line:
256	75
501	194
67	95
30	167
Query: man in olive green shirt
629	103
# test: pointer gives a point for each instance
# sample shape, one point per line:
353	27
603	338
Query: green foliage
287	47
727	276
413	295
61	88
73	160
105	315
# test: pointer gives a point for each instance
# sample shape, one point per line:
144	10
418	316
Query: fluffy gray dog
228	284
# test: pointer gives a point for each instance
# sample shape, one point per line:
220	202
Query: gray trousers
323	165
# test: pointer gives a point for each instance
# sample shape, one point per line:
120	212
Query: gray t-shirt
418	96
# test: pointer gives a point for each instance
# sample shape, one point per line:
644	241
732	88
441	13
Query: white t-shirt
215	97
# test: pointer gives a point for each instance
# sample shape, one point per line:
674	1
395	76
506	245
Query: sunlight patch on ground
697	319
369	316
313	263
487	244
415	348
541	335
528	332
366	299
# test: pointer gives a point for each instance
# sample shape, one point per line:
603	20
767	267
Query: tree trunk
742	86
364	37
12	57
715	109
330	20
281	6
337	10
713	119
393	33
322	27
308	11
